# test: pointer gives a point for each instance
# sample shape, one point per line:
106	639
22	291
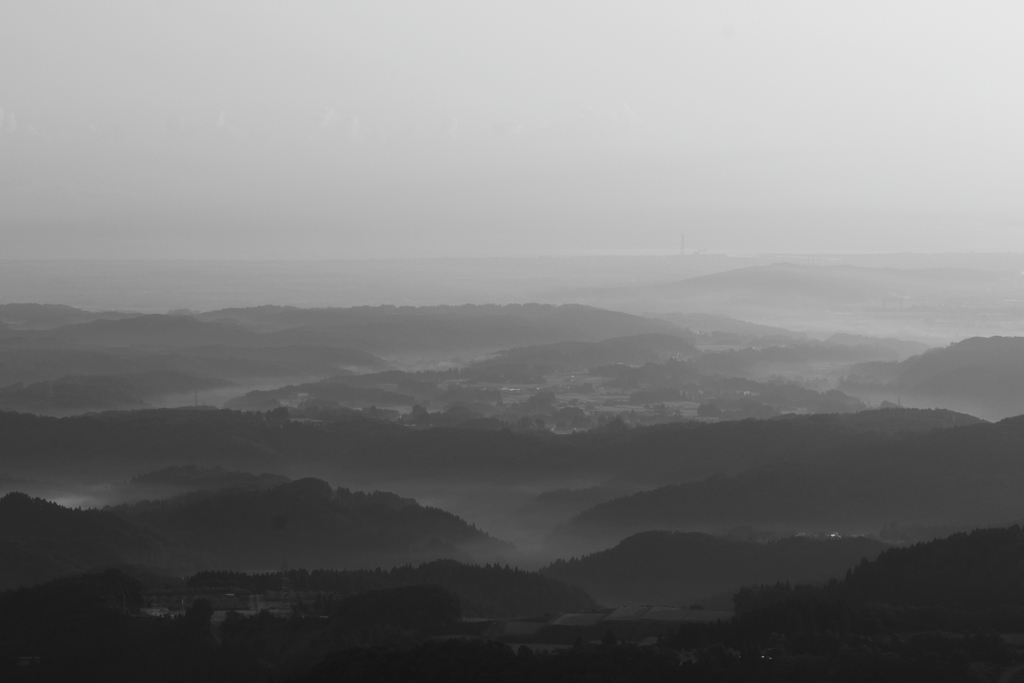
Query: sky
336	130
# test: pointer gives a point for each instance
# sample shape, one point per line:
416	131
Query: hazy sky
335	130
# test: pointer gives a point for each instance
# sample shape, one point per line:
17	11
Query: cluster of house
641	624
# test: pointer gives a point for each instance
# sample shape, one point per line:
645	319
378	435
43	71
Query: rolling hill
41	343
304	523
964	475
156	332
439	329
711	322
981	374
40	541
673	568
126	444
983	569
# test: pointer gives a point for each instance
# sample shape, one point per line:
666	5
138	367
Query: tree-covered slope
301	523
425	329
40	540
982	569
676	568
307	523
966	475
113	443
984	375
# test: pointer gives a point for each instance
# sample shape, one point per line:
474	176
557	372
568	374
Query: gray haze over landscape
259	130
531	341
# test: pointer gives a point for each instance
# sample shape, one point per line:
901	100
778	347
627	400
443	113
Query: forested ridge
972	577
360	446
305	523
983	569
679	568
40	540
966	475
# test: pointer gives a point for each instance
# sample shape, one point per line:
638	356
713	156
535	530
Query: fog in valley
660	341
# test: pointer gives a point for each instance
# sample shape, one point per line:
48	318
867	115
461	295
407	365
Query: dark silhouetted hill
663	567
119	445
89	628
40	540
983	569
303	522
965	475
969	581
307	523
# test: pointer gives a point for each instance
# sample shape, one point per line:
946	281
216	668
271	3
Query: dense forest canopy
305	522
360	447
682	568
